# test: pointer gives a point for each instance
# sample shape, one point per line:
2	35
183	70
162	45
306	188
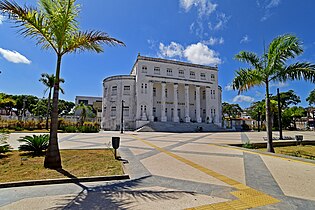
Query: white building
162	90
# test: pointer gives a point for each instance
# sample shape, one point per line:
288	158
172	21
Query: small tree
85	109
54	26
49	80
272	67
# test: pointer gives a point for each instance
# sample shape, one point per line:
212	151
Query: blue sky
207	32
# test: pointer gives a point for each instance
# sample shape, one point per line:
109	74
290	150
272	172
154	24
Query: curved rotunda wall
116	89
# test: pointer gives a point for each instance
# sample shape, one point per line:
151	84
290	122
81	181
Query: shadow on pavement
122	195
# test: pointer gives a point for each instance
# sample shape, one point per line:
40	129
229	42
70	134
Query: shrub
4	146
35	144
69	129
248	145
88	129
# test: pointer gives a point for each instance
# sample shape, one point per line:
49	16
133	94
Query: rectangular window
154	91
144	69
114	90
204	94
113	111
181	73
126	111
212	77
169	72
85	102
203	76
213	92
105	92
192	74
157	70
126	90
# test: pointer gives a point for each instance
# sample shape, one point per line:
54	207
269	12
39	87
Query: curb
288	157
63	181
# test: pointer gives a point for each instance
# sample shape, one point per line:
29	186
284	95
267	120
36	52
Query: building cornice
120	77
181	63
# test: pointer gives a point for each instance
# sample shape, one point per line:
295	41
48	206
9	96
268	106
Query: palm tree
49	80
272	67
84	111
54	26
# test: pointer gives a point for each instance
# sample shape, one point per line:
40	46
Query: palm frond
297	71
250	58
31	22
280	50
90	40
246	79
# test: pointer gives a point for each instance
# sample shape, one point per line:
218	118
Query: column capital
208	87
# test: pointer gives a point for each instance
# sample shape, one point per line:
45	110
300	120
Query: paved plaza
179	171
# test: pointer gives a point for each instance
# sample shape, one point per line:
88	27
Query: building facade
161	90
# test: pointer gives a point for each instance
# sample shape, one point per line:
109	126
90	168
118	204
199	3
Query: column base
199	120
151	118
176	119
163	119
187	119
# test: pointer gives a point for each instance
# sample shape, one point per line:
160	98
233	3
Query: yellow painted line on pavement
258	153
248	197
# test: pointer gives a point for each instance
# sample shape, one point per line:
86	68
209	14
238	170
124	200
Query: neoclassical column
198	118
150	105
163	105
187	118
175	114
208	102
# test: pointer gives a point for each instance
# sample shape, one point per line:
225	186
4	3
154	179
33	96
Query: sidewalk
178	171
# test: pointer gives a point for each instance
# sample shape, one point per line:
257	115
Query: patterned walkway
180	171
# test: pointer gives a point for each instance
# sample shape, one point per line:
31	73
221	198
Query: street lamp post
279	116
258	121
24	114
122	117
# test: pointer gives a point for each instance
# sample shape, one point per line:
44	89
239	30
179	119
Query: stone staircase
180	127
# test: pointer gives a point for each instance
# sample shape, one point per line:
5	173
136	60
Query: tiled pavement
178	171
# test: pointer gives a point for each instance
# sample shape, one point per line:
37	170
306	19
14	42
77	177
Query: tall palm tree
49	80
54	26
272	67
84	111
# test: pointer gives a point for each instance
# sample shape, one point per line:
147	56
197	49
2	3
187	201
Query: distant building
94	102
162	90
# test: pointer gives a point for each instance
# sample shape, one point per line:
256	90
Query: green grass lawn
307	151
18	166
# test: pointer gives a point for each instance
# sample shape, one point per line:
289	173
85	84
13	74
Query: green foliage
4	146
35	144
291	115
231	110
311	98
248	145
287	98
80	129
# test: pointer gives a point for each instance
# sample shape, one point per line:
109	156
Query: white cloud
267	6
273	3
205	7
201	54
14	56
228	87
242	98
222	20
279	84
245	39
195	53
1	19
172	50
213	41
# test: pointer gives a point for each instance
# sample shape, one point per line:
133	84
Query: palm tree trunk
268	121
48	108
52	159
